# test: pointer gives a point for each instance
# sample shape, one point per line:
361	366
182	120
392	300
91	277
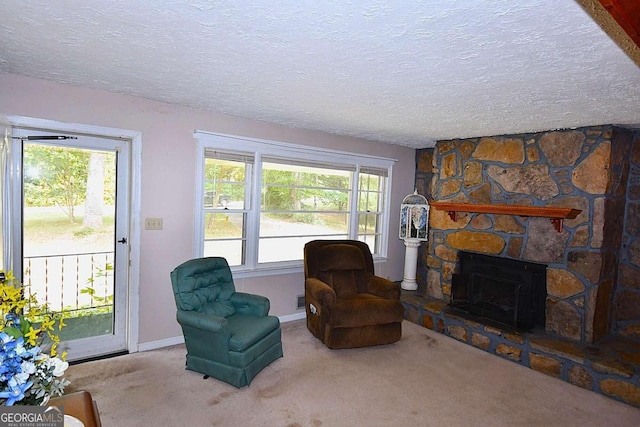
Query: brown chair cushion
364	309
343	268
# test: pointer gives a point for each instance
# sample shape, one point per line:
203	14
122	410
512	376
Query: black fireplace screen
503	290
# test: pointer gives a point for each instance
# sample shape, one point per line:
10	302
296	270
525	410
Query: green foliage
367	223
305	218
278	194
289	189
337	199
285	187
105	303
225	177
57	176
86	231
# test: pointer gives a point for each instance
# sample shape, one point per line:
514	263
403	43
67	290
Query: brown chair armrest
320	291
383	288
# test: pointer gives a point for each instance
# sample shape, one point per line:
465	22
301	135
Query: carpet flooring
425	379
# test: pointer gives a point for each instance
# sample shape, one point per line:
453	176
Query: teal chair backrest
204	285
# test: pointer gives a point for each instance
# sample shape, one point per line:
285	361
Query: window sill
280	270
242	273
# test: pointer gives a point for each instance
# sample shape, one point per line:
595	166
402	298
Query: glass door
73	234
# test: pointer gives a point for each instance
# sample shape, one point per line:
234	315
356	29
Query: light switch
153	224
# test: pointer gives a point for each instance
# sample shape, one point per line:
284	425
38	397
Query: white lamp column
414	224
410	262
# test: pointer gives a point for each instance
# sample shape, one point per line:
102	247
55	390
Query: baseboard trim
154	345
292	317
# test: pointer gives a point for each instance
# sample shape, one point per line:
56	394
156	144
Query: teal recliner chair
229	335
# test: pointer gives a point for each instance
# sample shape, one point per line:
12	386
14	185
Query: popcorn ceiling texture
402	71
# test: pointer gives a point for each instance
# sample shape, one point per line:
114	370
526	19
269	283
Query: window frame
267	148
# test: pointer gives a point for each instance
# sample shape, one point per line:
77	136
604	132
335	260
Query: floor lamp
414	224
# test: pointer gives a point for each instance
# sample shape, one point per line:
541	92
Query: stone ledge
611	368
559	347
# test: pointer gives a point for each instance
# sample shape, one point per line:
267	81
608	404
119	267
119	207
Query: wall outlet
300	301
153	224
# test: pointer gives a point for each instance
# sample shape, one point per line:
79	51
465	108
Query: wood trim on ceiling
627	15
620	19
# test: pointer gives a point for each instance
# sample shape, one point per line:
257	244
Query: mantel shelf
556	215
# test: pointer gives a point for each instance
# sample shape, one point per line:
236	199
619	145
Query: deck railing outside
77	283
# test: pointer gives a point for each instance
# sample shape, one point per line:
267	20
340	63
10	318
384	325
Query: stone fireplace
589	264
590	335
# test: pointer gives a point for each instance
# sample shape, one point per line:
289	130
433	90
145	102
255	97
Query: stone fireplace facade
593	263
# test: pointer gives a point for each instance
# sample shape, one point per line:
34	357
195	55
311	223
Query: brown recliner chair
347	305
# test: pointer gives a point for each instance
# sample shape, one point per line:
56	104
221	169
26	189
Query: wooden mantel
556	215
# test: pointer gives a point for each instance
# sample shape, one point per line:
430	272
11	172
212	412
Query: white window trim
274	148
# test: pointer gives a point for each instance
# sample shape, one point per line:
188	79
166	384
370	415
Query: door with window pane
74	231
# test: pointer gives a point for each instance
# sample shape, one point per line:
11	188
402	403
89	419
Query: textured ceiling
401	71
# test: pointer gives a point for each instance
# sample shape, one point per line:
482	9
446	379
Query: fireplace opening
501	290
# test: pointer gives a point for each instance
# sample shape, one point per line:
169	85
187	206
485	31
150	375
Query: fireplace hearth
499	290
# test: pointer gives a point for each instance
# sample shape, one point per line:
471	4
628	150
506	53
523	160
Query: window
226	202
262	201
371	196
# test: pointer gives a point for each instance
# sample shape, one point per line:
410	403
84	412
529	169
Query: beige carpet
425	379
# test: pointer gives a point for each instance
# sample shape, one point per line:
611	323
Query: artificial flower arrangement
30	369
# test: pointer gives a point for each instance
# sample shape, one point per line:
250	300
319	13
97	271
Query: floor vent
300	301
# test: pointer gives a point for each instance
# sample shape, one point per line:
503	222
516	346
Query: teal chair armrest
206	322
253	305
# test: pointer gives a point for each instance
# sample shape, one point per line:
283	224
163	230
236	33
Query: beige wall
168	162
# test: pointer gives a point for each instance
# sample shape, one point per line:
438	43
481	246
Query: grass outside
42	226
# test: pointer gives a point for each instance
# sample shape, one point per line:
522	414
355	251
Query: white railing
59	280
